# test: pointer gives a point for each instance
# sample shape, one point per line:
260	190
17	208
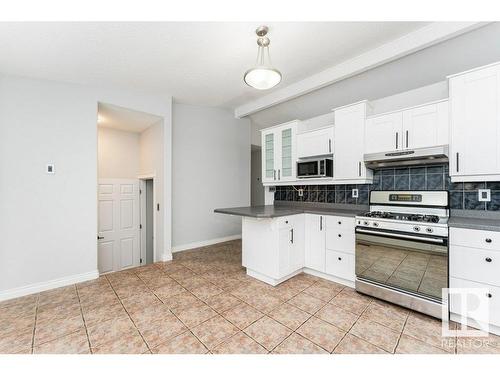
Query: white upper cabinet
279	153
425	126
315	143
475	125
349	137
417	127
383	133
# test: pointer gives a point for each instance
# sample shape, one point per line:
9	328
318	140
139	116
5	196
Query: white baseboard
46	285
194	245
165	257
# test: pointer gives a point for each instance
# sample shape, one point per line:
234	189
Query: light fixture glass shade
262	77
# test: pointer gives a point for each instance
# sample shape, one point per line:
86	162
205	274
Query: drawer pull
340	258
286	222
488	240
488	260
340	235
489	295
340	222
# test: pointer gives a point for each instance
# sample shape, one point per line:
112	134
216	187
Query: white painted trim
194	245
280	125
424	37
472	323
473	70
47	285
142	201
270	280
335	279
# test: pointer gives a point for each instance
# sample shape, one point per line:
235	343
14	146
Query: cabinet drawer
490	295
339	264
475	264
340	223
340	241
481	239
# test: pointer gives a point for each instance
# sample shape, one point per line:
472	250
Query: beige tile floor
203	302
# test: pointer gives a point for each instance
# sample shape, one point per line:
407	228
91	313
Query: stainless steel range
402	249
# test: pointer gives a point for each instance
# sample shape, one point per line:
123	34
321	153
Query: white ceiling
112	116
199	63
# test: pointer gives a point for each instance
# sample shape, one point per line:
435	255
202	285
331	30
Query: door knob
488	260
489	295
100	237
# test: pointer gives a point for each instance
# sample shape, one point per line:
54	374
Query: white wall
118	153
151	162
48	223
211	169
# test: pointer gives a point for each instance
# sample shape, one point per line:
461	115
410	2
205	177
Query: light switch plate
50	168
484	195
355	193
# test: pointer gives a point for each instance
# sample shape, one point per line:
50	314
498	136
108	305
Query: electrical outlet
301	192
354	193
484	195
50	168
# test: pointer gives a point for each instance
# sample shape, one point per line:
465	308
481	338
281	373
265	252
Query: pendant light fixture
262	76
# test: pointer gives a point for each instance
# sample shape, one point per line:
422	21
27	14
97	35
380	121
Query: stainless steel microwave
316	168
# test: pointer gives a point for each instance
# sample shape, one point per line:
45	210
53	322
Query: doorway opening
148	221
130	165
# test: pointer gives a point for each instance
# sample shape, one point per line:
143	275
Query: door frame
142	210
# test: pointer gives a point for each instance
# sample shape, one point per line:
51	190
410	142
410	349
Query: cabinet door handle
340	222
359	169
279	174
489	295
291	232
458	160
488	260
340	235
339	258
488	240
397	136
321	223
407	139
329	145
100	237
274	174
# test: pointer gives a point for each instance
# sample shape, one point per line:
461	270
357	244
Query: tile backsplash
463	196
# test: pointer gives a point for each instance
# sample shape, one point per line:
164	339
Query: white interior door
118	224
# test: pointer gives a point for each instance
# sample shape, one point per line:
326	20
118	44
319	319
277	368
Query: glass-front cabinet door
288	154
268	156
279	153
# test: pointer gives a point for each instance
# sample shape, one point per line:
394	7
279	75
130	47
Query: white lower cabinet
340	264
273	249
276	249
340	247
315	242
475	265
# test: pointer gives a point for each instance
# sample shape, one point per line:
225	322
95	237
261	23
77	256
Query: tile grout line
83	318
34	324
119	299
401	334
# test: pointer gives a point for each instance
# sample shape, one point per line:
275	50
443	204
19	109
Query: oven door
414	264
307	169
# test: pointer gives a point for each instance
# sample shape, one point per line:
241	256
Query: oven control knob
429	230
366	223
375	224
416	229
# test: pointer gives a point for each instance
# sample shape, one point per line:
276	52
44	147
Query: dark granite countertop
271	211
480	220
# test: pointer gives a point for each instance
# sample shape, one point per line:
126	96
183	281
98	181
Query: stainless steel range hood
418	156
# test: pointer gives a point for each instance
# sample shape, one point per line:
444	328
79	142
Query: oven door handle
402	236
